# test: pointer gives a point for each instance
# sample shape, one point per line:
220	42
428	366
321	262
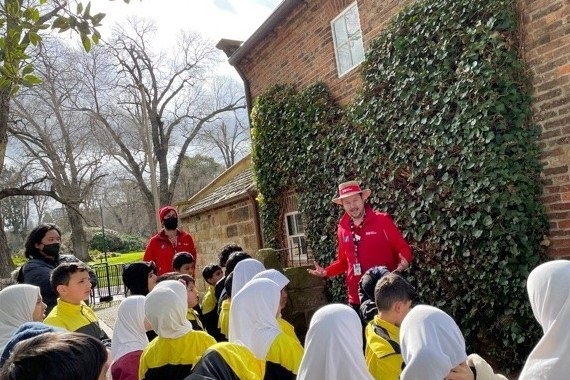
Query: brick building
308	41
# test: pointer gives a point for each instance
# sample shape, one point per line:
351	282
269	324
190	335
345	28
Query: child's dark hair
51	355
135	276
62	273
227	251
209	270
177	277
182	258
35	237
234	259
392	288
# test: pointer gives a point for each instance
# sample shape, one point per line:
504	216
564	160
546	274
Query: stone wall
213	229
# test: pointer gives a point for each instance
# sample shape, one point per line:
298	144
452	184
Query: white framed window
296	242
347	38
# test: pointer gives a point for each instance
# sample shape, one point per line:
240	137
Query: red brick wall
546	41
301	52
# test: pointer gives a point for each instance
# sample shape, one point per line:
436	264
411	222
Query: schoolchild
281	280
71	283
223	257
333	346
228	361
183	262
253	322
212	273
244	271
393	296
191	296
176	350
51	355
548	287
139	277
129	339
19	304
366	287
433	348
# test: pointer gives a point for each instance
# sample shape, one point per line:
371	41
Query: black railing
295	256
110	283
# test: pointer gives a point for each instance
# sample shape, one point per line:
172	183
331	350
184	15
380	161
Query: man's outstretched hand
319	271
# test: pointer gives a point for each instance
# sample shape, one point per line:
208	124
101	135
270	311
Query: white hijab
129	333
243	272
165	307
333	346
432	344
548	288
17	304
273	275
253	312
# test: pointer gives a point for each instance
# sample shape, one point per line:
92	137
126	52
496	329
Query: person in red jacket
168	241
366	238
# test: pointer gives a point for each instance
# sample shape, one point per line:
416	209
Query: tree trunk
78	237
6	263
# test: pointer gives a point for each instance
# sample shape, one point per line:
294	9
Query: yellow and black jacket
79	318
166	358
224	320
228	361
383	354
283	358
288	329
194	318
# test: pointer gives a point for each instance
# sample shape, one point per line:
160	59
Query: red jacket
160	250
381	244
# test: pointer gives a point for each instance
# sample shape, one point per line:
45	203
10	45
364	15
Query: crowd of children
238	332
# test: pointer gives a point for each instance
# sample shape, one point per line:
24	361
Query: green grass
121	259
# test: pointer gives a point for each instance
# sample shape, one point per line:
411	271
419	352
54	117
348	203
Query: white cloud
214	19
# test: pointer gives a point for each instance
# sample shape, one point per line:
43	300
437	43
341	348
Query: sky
214	19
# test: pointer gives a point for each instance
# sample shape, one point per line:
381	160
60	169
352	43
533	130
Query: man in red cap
366	238
170	240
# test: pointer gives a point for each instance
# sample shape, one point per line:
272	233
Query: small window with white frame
296	242
347	38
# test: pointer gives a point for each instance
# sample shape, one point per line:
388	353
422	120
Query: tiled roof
236	188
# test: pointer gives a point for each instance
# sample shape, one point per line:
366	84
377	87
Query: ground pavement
107	314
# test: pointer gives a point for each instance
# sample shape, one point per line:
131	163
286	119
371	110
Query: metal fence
295	256
110	282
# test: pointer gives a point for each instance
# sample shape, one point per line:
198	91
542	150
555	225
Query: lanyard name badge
356	269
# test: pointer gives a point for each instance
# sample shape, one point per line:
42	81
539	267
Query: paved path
107	314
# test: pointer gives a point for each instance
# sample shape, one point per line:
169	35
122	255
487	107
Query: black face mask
170	223
51	250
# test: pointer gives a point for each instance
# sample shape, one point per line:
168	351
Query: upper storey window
347	37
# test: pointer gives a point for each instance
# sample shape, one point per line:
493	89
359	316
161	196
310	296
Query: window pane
299	224
290	225
344	58
357	50
340	31
352	22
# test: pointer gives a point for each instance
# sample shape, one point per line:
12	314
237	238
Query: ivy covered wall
441	132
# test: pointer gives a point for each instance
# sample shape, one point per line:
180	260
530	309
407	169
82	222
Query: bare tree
228	134
58	139
173	92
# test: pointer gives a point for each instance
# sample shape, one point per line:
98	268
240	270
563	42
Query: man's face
354	206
